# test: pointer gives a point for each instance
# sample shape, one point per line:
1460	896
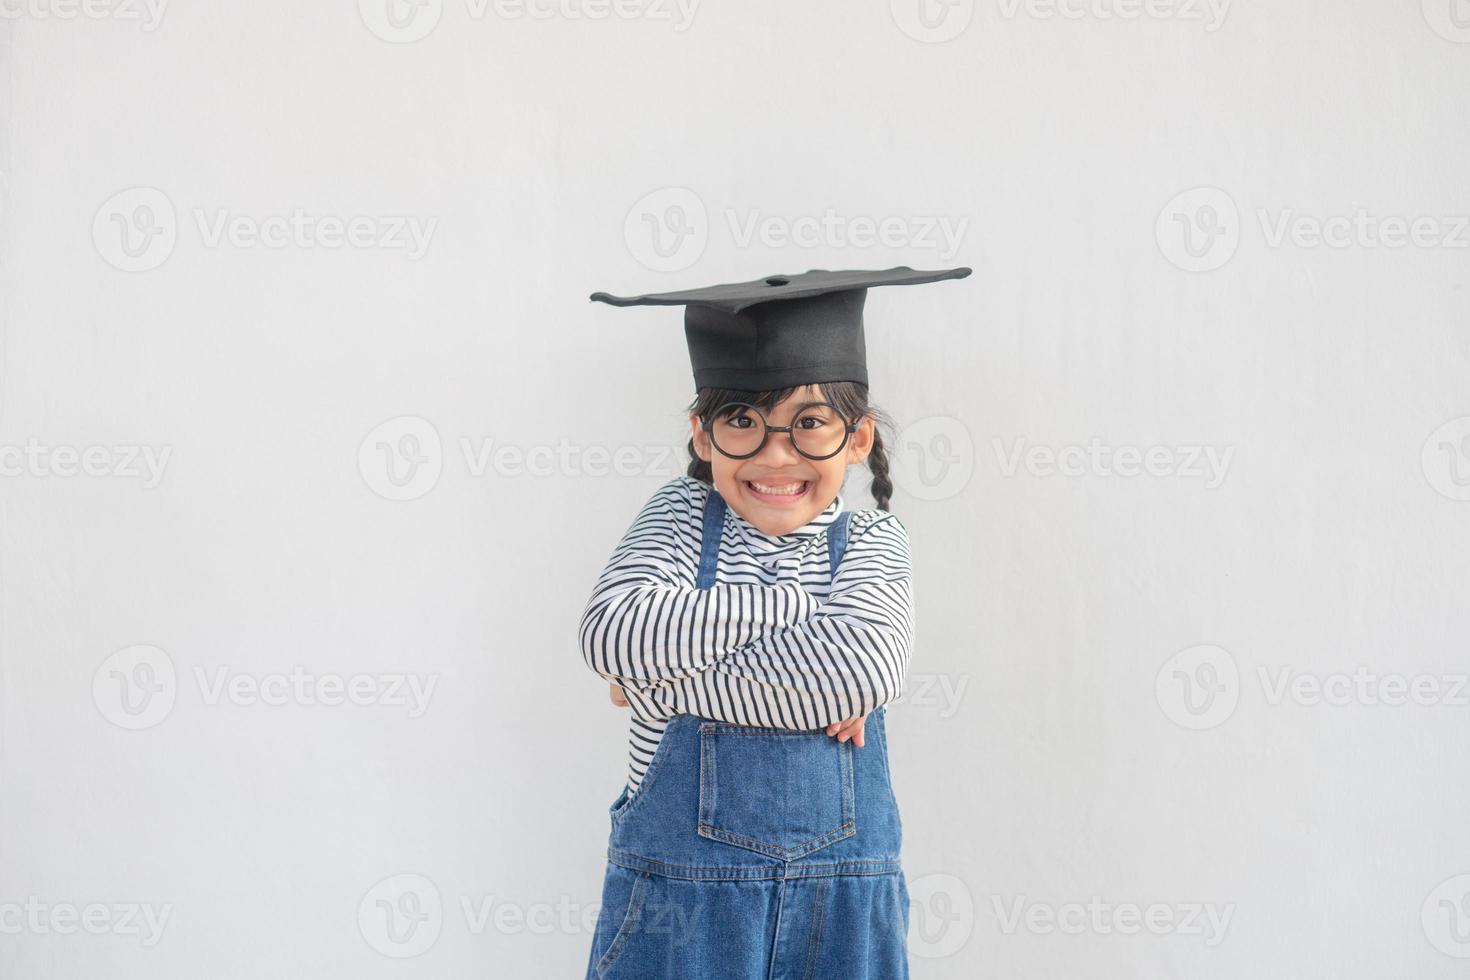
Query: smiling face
778	489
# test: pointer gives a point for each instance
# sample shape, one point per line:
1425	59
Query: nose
778	450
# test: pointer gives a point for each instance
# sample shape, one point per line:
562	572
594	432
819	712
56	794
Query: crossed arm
752	654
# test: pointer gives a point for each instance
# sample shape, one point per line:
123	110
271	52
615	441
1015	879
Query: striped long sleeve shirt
775	641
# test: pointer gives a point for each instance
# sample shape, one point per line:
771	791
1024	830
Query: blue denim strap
837	540
714	525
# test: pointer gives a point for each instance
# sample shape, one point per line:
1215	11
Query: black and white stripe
776	641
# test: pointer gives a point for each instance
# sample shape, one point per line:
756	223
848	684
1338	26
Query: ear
860	443
700	438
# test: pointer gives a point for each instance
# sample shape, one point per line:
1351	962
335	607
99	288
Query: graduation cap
781	330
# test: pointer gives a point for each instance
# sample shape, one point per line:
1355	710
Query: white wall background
1115	693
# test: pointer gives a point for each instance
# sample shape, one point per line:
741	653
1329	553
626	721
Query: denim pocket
777	792
627	799
626	914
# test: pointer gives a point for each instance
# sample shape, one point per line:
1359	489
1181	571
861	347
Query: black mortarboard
781	330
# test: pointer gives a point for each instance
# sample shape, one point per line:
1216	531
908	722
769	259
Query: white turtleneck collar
768	544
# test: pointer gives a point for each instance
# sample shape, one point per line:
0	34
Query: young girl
756	628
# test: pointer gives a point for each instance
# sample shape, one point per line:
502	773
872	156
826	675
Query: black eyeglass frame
848	429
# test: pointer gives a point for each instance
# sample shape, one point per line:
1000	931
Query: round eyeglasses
739	430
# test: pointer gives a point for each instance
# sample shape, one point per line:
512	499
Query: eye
810	422
741	421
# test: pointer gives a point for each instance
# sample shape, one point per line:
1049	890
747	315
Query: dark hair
851	399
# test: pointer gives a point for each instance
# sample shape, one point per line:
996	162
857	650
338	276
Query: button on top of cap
778	281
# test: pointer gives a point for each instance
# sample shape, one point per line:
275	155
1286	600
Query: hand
852	728
618	698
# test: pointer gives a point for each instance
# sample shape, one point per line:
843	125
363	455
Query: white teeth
789	489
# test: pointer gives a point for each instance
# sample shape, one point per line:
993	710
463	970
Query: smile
786	490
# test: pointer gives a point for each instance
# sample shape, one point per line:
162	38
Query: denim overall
755	853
